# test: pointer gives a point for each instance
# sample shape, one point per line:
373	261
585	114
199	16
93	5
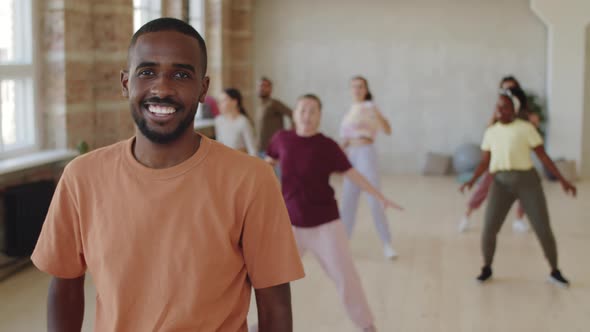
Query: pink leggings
329	244
481	193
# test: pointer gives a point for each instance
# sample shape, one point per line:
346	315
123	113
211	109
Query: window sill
35	159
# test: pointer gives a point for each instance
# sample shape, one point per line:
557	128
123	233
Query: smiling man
174	228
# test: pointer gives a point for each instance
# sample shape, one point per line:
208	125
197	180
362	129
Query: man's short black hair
172	24
266	79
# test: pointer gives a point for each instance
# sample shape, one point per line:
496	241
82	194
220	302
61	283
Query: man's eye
181	75
146	72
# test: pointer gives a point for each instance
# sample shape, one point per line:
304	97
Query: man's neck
160	156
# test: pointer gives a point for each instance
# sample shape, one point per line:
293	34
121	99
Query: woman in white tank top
358	130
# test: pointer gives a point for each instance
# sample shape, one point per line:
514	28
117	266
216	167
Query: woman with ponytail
232	126
359	130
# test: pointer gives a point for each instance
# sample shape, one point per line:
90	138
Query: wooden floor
431	286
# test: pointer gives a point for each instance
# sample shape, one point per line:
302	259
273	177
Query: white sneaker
520	226
389	252
463	224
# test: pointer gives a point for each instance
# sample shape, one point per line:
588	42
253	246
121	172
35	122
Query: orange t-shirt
175	249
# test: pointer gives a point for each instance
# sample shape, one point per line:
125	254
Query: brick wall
83	49
228	32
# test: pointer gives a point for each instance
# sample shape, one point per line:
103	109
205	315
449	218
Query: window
145	11
18	129
196	15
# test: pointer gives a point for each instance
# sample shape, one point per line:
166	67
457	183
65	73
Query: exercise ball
466	158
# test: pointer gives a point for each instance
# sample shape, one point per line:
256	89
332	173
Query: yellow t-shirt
510	145
175	249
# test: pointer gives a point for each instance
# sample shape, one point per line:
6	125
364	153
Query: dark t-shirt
306	165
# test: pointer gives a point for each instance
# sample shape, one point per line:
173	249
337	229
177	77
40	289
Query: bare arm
484	164
364	184
383	122
274	309
65	305
271	161
548	163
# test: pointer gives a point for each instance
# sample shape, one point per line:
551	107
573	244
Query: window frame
153	9
29	69
201	19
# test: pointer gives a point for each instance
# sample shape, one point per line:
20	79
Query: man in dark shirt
271	114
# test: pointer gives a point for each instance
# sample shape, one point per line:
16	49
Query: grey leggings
506	188
364	160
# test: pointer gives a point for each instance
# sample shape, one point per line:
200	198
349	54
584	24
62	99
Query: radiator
25	207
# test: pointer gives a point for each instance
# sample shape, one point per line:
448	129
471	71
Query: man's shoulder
95	159
95	165
237	169
276	103
233	161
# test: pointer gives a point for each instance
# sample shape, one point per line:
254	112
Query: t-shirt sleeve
533	137
268	244
59	250
273	146
340	162
486	144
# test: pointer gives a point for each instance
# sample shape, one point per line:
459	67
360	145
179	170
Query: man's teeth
161	109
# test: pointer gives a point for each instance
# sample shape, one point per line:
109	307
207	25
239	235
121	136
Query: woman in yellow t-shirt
506	153
481	193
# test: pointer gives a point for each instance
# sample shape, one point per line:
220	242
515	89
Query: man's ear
204	89
124	83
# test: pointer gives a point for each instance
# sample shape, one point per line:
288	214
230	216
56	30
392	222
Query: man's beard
162	138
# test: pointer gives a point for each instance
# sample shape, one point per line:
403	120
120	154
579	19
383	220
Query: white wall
433	65
585	169
567	21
